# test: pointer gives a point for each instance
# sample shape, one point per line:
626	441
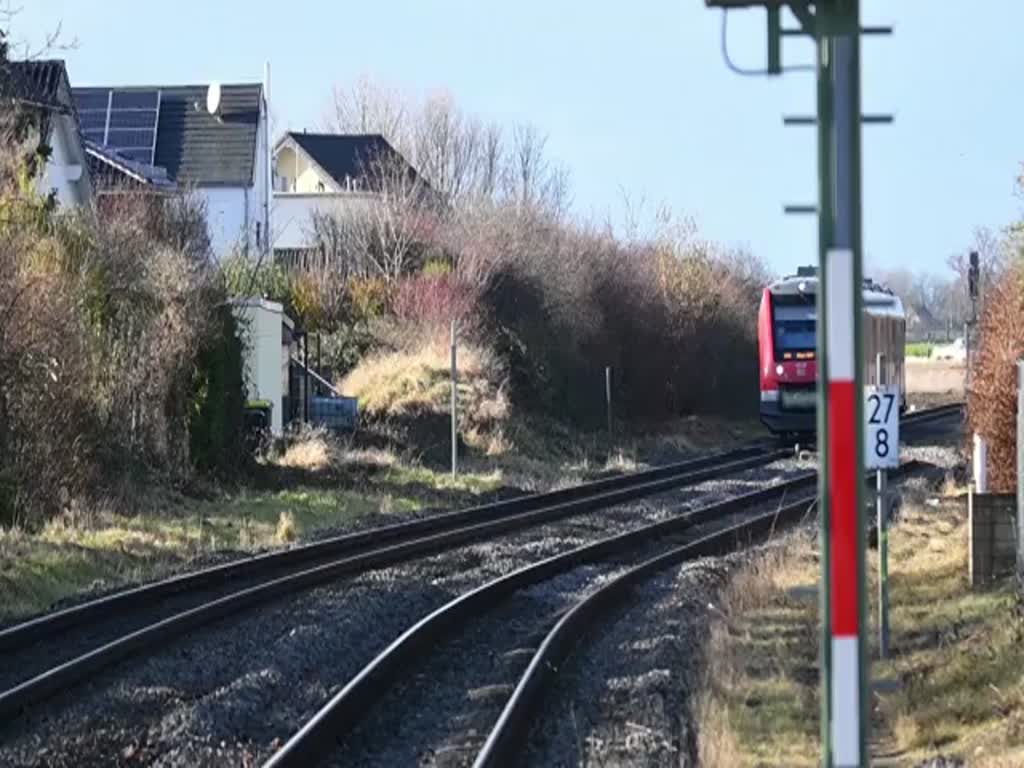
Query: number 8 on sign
882	427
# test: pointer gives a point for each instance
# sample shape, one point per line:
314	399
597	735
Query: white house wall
292	214
233	212
225	217
63	166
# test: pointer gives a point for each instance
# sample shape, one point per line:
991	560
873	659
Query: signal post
835	27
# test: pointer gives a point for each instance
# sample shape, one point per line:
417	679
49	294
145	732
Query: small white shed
266	333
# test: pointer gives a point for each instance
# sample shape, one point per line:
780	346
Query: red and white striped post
845	721
845	529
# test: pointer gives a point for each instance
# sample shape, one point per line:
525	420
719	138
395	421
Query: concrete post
979	464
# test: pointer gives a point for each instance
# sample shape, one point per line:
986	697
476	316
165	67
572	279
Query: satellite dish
213	98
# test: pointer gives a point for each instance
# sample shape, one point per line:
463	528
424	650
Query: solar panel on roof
123	120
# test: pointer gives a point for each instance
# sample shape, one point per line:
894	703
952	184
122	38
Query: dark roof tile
197	147
345	154
36	82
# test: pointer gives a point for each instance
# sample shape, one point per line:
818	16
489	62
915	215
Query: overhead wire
745	72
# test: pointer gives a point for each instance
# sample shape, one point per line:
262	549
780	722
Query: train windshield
794	327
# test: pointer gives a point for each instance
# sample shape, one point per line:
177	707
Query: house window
258	233
320	187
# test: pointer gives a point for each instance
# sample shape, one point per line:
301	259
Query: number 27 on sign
882	427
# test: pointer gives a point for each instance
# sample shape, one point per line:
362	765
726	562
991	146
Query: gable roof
344	155
196	147
36	83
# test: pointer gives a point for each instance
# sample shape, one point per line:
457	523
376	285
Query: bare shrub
992	399
675	322
384	238
673	316
48	422
117	350
157	296
430	302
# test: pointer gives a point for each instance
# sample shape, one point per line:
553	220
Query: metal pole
882	503
608	396
967	357
825	206
455	399
845	705
305	377
1020	468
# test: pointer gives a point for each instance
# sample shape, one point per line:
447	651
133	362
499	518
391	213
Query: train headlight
779	369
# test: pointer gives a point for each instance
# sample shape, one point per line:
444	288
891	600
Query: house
330	174
212	140
43	87
115	174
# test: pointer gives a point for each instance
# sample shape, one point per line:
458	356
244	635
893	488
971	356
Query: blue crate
334	412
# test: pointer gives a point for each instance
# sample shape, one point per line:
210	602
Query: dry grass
286	528
926	376
110	547
759	705
958	655
408	382
318	450
313	454
958	652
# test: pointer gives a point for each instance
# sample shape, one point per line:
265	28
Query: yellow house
324	173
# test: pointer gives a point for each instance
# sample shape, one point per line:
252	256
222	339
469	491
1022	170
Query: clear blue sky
633	95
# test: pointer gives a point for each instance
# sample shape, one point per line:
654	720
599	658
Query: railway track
319	737
79	642
709	530
67	647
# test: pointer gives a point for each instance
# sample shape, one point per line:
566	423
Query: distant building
325	173
158	136
43	88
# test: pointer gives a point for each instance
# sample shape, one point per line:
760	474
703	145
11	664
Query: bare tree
380	235
490	160
461	157
992	259
368	106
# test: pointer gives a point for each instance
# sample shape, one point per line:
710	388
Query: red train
786	335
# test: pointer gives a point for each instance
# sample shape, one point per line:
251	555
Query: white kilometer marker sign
882	427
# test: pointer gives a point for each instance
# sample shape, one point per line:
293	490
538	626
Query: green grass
472	482
111	549
919	349
957	653
759	703
37	569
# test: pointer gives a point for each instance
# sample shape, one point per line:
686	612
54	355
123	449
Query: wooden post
608	397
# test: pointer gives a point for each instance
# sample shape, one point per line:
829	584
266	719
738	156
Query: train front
788	369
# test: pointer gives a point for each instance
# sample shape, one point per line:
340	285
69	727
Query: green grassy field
919	349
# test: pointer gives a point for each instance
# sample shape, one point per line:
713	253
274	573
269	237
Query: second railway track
416	695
